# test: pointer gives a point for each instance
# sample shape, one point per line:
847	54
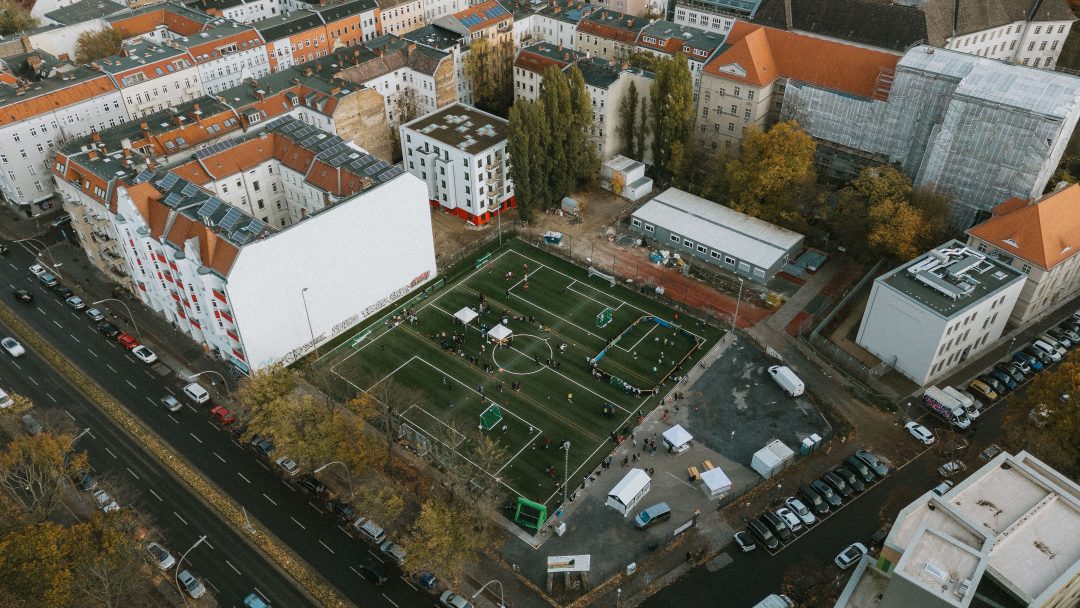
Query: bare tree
112	570
37	468
389	399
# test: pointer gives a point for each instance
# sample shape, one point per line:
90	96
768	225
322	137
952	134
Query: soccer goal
490	418
417	439
606	277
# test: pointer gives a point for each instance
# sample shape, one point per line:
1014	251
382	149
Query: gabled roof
759	55
671	38
32	99
539	57
613	25
1045	232
482	16
83	10
178	19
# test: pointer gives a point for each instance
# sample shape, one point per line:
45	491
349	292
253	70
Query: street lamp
176	570
347	473
77	437
502	598
735	319
303	296
223	381
131	317
566	469
38	253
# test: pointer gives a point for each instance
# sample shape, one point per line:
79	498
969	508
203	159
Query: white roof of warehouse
718	227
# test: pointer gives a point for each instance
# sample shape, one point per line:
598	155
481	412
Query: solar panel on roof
144	176
231	218
173	199
255	226
190	189
168	181
209	207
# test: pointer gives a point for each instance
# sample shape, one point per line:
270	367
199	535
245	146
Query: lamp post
223	381
77	437
130	316
566	469
502	598
735	319
307	314
47	250
348	474
176	570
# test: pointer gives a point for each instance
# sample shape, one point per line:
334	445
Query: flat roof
724	229
464	127
83	10
951	278
938	563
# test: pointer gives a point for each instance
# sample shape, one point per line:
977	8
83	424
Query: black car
859	468
342	510
813	500
108	329
1045	358
1010	369
264	445
63	291
851	479
762	533
827	493
993	382
879	468
745	542
372	574
23	296
777	525
312	485
837	483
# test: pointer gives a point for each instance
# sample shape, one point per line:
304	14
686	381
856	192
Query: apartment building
1008	535
227	53
460	153
152	77
293	38
714	15
555	22
453	44
664	39
1040	238
532	61
931	314
436	9
609	34
489	20
398	17
243	11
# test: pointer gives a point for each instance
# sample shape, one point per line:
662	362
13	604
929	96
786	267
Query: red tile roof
1045	232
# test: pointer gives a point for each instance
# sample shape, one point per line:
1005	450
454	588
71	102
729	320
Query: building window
635	222
688	243
702	249
649	228
730	261
674	238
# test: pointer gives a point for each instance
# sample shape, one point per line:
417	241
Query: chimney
125	143
260	95
95	137
787	15
629	23
307	71
127	151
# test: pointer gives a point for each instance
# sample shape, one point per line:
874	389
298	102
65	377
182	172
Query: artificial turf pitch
561	396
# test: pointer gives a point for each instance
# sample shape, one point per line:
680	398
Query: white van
1050	351
1061	350
969	403
196	393
787	380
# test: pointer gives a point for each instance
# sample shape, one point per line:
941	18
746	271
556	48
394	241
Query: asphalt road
297	519
225	562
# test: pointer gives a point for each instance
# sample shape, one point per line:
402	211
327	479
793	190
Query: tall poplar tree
527	143
628	108
643	130
672	108
584	163
555	95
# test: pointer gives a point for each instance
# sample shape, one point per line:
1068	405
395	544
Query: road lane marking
91	351
260	464
155	494
302	527
191	407
390	600
373	554
39	310
207	581
147	372
270	499
111	369
196	438
132	472
47	394
180	518
110	453
327	547
69	414
92	436
173	418
317	509
345	531
151	402
31	379
16	365
130	358
355	572
76	339
409	584
242	477
233	567
130	384
286	484
58	324
208	544
170	391
219	457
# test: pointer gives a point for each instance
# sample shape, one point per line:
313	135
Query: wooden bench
693	472
708	466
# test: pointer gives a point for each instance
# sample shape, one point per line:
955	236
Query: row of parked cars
1047	349
813	501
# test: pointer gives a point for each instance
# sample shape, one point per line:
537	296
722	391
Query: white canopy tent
716	482
631	489
678	439
466	315
499	333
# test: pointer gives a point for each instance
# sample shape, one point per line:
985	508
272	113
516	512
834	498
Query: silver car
798	508
394	550
161	557
171	403
192	585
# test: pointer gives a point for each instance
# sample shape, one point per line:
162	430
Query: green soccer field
582	378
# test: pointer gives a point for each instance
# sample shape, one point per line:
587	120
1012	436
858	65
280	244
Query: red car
223	415
126	340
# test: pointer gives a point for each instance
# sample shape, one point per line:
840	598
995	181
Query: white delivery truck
787	380
945	407
970	406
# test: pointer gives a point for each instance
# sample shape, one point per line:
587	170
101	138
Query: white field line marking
632	348
51	397
111	453
31	379
91	351
583	387
180	518
461	438
130	384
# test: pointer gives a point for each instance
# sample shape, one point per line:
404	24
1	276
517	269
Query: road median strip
319	590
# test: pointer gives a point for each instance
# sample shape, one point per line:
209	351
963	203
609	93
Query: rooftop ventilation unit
935	571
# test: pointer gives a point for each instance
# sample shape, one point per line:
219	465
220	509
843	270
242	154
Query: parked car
826	493
1043	356
837	483
395	551
920	433
813	500
1027	363
12	346
799	508
63	291
1005	379
76	302
851	479
859	468
196	393
192	585
171	403
264	445
288	465
5	400
31	425
1049	348
850	556
108	329
791	520
1066	329
223	415
369	530
1061	338
879	468
144	354
48	279
1012	370
105	502
427	580
372	574
312	484
342	510
161	557
23	296
95	315
776	525
126	340
951	468
449	599
84	480
983	389
37	270
762	533
745	541
943	487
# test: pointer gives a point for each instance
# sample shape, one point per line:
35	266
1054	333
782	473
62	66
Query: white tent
466	315
716	482
678	439
626	494
500	333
